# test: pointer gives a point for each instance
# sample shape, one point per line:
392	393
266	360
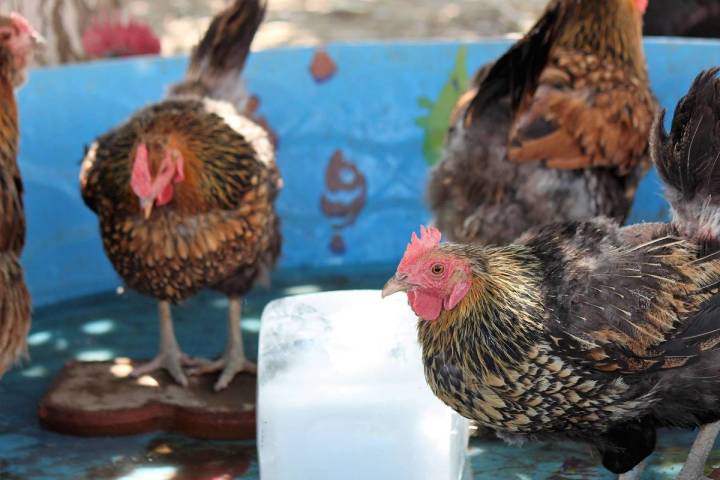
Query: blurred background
179	23
80	29
310	22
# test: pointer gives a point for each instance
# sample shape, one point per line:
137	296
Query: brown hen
185	192
586	330
556	129
17	41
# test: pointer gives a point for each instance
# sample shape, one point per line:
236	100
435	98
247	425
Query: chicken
64	23
17	42
587	330
690	18
556	129
185	192
109	35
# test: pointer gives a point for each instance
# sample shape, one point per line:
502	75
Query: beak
38	41
146	204
398	283
23	27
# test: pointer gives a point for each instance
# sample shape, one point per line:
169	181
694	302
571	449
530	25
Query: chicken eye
437	269
5	36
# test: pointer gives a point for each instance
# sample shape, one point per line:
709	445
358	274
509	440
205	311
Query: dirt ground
312	22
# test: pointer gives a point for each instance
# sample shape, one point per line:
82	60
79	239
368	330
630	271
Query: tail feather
517	71
688	159
218	60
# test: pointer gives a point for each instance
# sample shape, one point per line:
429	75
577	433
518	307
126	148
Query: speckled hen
555	129
17	41
586	330
185	192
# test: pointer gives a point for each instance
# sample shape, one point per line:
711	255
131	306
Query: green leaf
437	121
425	102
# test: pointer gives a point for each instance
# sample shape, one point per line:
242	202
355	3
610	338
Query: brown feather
555	129
220	229
15	308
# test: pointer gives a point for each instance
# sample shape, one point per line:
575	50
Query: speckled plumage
589	303
556	129
185	193
577	329
221	227
591	331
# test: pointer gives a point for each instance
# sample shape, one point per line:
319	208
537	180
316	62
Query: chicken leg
170	357
694	468
233	360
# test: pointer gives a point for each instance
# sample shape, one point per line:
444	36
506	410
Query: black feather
226	43
688	158
626	445
223	50
702	326
518	70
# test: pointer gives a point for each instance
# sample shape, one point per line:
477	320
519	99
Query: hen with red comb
185	192
588	331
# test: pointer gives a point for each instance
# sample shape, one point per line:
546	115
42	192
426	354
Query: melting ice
342	395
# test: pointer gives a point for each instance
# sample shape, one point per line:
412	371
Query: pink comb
141	180
21	23
641	5
428	241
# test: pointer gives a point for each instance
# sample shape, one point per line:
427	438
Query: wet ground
103	327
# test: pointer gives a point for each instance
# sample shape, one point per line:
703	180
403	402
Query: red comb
641	5
429	239
141	180
112	36
21	23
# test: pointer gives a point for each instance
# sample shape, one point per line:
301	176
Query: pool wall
354	150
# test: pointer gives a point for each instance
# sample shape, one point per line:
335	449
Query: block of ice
342	395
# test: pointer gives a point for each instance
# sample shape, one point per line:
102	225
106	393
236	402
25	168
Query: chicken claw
233	360
170	357
172	361
231	363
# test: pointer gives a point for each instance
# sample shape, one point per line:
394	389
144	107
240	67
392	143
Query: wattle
425	305
165	196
